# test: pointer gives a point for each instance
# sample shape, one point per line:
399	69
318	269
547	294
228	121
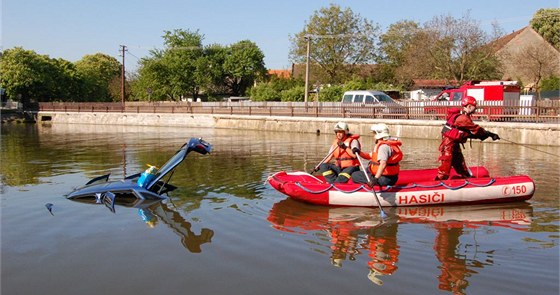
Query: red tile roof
280	73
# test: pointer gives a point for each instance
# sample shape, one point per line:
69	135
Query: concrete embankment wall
522	133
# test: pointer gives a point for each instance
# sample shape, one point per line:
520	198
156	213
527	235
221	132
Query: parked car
371	102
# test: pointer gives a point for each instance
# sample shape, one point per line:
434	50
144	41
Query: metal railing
537	112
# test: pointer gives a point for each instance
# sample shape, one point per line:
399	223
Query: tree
209	74
537	63
453	49
184	48
546	22
68	84
339	40
170	73
27	75
417	62
393	45
99	71
243	64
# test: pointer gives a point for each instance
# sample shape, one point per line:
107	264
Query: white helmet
381	130
341	126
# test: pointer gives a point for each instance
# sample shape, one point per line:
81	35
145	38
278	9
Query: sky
71	29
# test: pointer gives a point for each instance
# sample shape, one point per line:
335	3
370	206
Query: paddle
383	215
316	168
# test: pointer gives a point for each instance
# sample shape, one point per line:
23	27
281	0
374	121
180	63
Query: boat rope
389	187
313	192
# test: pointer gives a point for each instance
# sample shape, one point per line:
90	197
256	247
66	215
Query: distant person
384	166
345	161
458	128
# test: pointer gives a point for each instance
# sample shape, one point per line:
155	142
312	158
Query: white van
366	96
375	99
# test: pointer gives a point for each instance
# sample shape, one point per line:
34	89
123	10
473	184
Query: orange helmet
468	100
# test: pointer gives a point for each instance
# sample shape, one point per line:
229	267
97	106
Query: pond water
225	231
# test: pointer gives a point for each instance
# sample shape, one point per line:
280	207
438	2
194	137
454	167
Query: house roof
503	41
280	73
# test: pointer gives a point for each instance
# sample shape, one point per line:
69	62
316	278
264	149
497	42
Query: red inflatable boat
414	188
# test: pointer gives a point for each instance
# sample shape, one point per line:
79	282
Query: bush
332	93
293	94
550	83
264	92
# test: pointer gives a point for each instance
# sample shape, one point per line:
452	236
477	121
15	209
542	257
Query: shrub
293	94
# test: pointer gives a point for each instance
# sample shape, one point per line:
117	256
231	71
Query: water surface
224	231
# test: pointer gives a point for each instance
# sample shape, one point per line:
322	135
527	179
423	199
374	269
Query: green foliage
271	90
338	40
185	67
546	22
332	93
355	84
550	83
296	93
174	72
99	71
27	75
264	92
243	64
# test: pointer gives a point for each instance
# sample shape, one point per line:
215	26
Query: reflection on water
223	230
154	212
354	231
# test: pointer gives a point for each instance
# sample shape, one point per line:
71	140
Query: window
369	99
347	98
457	96
384	98
359	98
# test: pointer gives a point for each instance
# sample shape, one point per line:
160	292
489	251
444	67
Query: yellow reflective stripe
329	172
345	175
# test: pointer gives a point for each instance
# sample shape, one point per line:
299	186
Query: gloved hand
494	136
342	145
356	150
373	181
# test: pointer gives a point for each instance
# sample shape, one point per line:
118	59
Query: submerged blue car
148	185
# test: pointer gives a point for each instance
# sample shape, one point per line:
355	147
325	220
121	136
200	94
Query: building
522	49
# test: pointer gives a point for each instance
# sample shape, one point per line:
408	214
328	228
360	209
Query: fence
546	111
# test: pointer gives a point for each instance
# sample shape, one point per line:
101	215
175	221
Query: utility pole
308	38
306	95
123	50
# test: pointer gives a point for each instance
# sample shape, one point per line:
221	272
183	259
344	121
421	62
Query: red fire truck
495	95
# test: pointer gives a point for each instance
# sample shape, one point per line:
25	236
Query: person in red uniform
454	270
458	128
384	167
345	161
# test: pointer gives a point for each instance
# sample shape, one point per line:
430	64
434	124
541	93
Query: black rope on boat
455	188
351	191
312	192
492	180
388	188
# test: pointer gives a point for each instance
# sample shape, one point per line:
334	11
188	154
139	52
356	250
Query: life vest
451	130
393	167
342	158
